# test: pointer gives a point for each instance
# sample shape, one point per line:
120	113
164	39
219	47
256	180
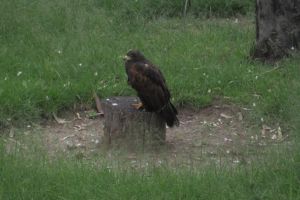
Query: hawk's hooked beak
126	58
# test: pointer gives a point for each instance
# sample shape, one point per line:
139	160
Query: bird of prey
150	84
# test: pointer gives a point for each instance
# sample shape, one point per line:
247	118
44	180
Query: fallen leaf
274	137
78	116
69	136
225	116
79	128
80	145
227	140
247	109
272	131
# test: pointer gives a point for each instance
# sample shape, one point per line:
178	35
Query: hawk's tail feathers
169	112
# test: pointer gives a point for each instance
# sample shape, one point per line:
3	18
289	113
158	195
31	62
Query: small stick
275	68
98	103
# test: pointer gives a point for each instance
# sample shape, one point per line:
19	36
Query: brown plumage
151	86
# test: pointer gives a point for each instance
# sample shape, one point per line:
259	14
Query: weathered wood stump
127	127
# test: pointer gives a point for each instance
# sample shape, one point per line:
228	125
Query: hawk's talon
138	106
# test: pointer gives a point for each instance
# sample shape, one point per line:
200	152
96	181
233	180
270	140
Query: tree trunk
130	128
277	29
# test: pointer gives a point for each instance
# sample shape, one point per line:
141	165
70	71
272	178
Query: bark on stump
127	127
277	29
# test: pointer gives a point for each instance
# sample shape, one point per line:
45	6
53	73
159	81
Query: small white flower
114	104
256	77
292	48
5	78
80	64
19	73
96	74
262	119
209	91
254	104
28	126
59	51
228	152
67	84
236	161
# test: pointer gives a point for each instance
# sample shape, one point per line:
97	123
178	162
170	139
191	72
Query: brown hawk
151	87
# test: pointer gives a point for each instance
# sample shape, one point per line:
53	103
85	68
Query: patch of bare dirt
210	134
215	134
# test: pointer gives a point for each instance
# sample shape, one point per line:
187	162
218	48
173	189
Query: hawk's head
134	55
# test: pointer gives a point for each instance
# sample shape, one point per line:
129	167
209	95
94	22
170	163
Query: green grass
174	8
54	54
35	177
65	50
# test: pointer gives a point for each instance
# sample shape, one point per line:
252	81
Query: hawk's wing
150	85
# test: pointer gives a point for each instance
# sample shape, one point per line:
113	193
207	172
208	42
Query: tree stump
277	29
127	127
